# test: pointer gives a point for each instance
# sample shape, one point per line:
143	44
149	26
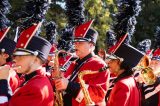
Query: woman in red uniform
125	91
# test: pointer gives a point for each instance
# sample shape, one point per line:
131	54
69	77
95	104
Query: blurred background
102	11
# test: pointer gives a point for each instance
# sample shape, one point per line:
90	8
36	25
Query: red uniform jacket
35	92
97	83
124	93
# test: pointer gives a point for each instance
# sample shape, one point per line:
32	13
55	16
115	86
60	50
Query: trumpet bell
148	76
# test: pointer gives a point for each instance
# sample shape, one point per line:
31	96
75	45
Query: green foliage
100	11
148	20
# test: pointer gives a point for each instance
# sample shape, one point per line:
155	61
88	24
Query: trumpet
148	76
147	73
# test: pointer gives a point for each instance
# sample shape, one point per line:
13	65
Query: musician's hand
4	72
61	84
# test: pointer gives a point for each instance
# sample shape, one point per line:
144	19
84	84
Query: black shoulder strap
78	66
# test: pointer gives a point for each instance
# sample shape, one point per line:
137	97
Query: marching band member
151	92
30	54
7	45
125	91
96	84
110	41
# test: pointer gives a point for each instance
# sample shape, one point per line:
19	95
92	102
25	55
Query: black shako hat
83	33
28	44
7	46
131	56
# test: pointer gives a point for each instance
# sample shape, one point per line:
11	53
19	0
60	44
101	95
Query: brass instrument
144	62
147	74
57	74
87	97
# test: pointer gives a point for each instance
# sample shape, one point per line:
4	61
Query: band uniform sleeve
119	96
4	91
97	86
28	98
